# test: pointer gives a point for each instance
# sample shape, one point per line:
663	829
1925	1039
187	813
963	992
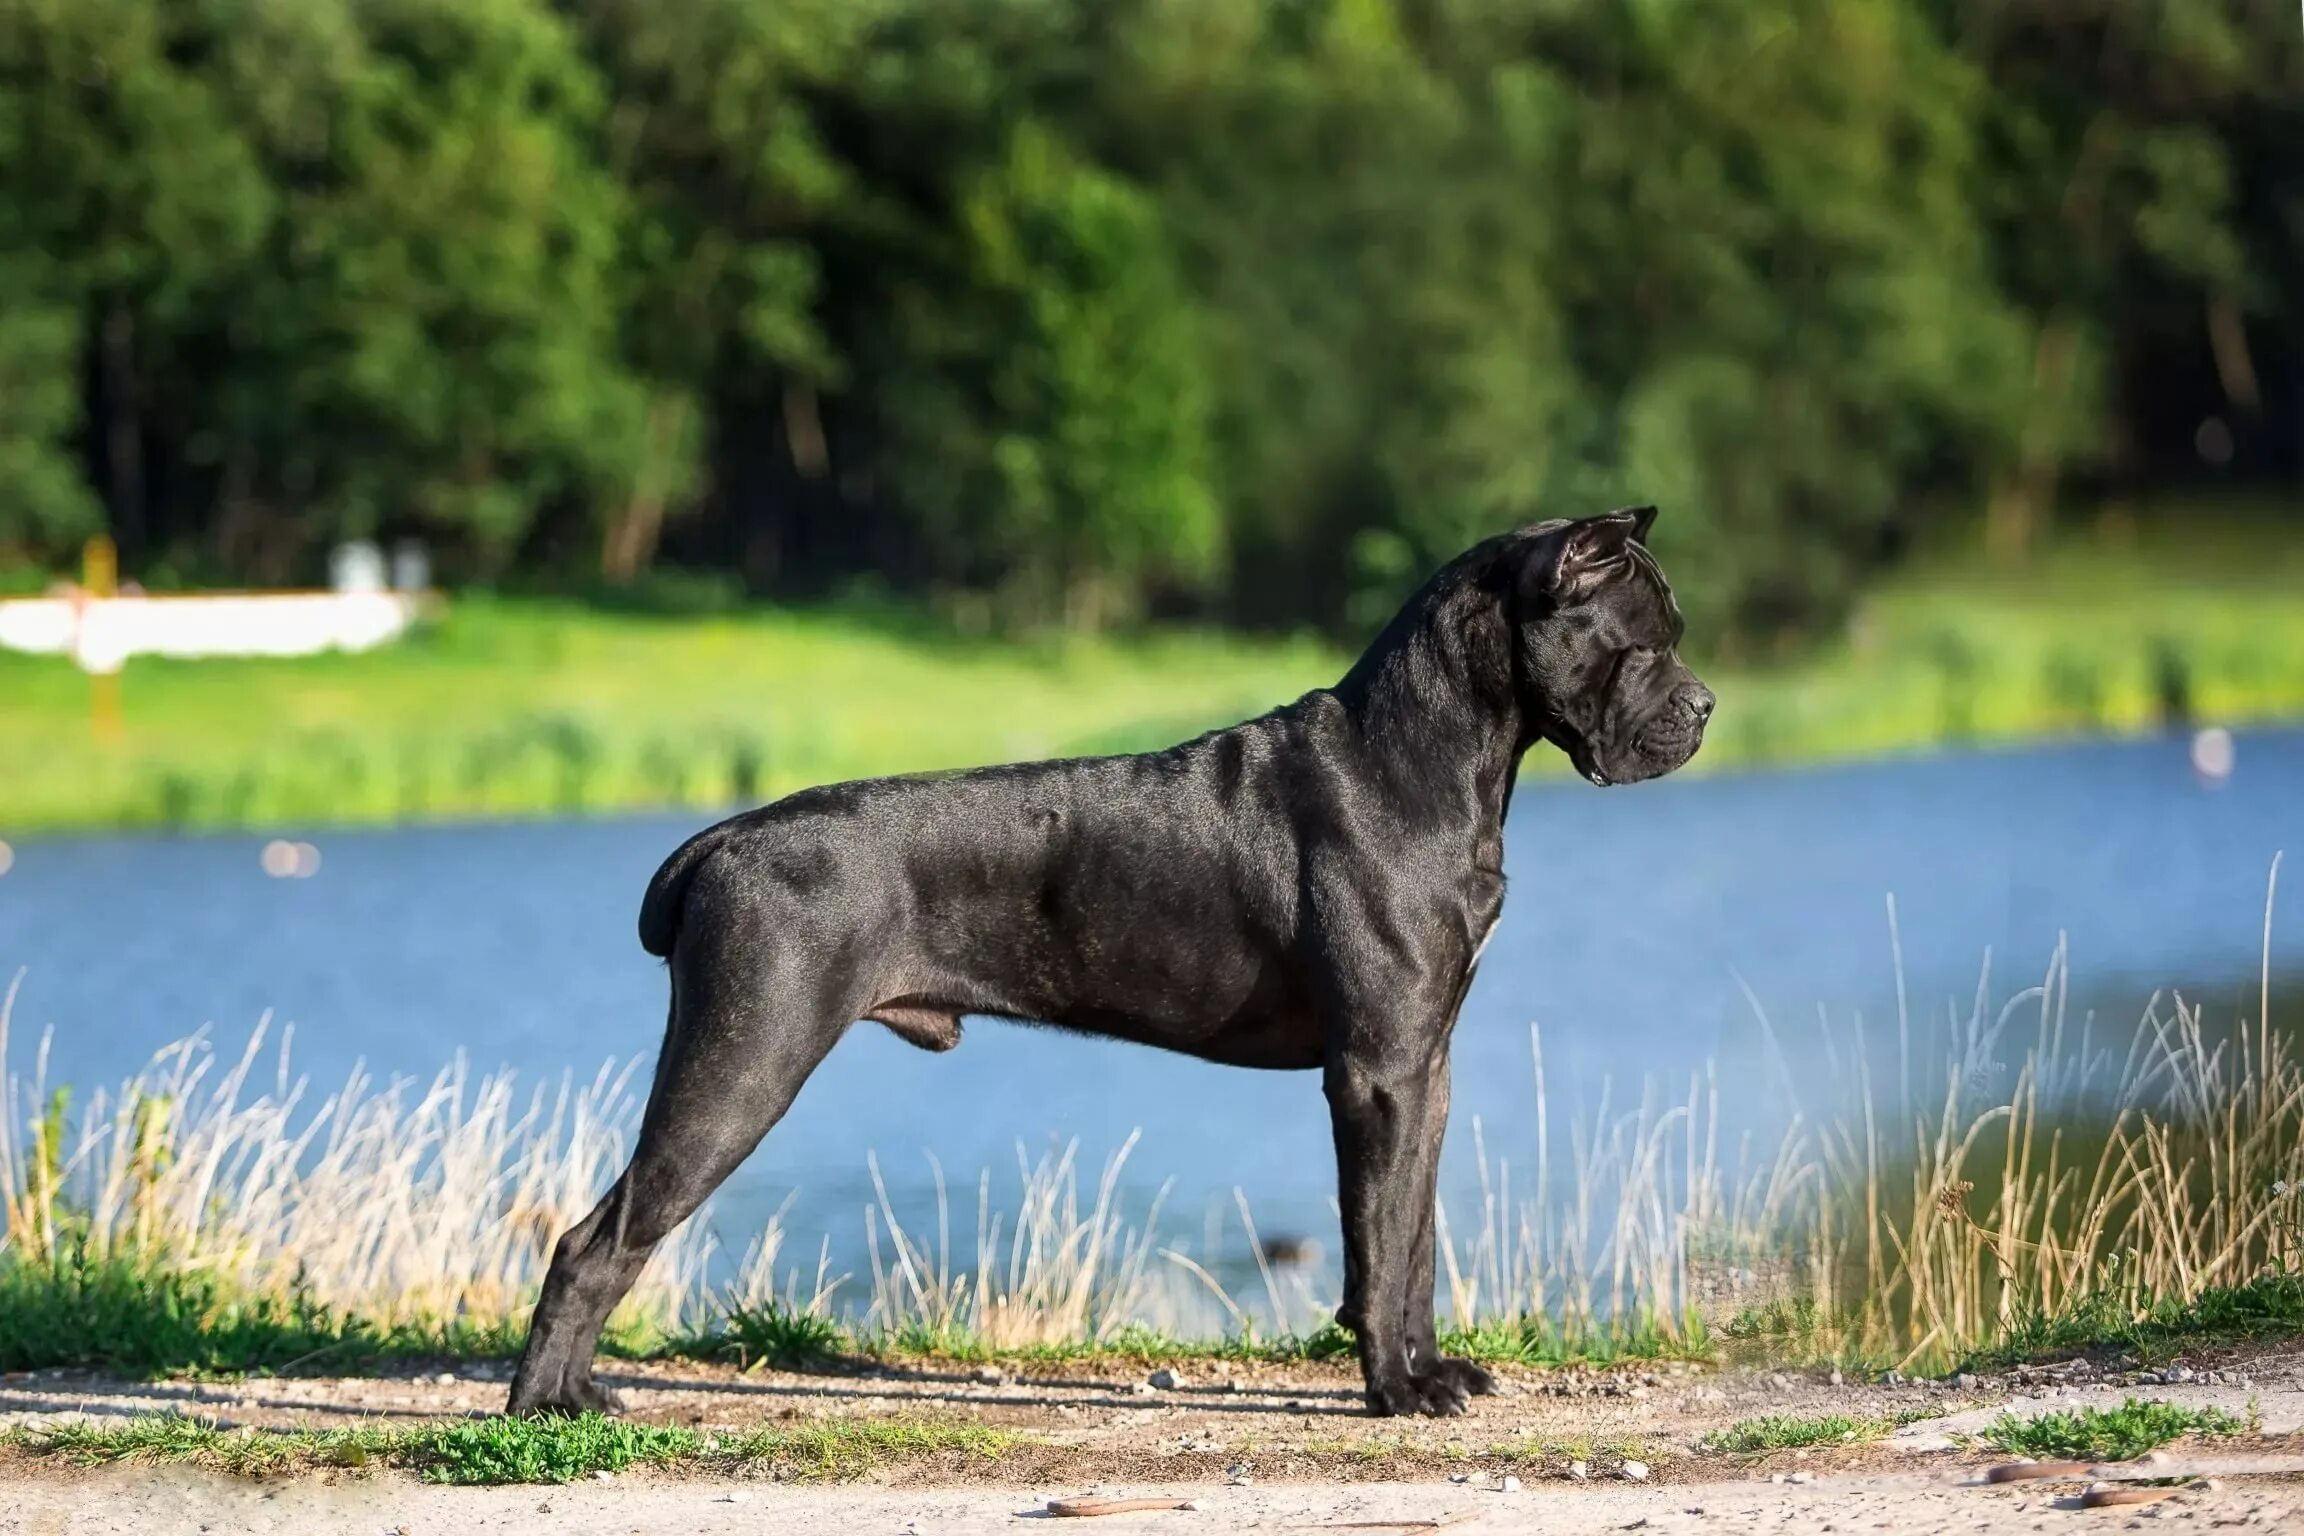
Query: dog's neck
1438	698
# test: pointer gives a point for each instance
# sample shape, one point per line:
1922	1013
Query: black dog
1309	890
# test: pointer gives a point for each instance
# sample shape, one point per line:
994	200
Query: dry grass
2009	1172
405	1203
1068	1275
2104	1180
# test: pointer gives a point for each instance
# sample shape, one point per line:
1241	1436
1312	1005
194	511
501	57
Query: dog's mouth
1584	760
1652	752
1659	750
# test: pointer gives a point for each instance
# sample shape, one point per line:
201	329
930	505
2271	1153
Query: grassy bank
2051	1190
526	1450
518	708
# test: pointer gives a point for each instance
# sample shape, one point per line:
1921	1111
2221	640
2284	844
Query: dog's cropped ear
1573	559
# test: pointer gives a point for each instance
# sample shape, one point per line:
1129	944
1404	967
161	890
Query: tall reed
402	1203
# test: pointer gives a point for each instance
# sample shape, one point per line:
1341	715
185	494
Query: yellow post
100	579
100	567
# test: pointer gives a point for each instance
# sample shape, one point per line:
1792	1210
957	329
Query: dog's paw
1472	1380
564	1400
1436	1396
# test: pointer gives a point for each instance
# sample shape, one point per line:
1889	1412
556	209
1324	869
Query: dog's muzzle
1665	739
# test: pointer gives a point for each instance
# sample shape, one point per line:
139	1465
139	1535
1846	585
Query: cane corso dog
1308	891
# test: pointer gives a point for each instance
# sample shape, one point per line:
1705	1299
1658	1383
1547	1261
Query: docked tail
668	891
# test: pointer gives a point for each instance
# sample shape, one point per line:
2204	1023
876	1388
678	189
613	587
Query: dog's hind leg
743	1037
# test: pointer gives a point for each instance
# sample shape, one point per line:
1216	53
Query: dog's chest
1483	908
1487	931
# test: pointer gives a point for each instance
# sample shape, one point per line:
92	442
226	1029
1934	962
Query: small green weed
1797	1317
541	1450
2108	1434
836	1450
1780	1431
774	1335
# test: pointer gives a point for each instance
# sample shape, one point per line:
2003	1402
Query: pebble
1892	1379
445	1378
1508	1484
1801	1477
1142	1389
1635	1472
1165	1380
1964	1382
990	1375
1239	1474
603	1477
1837	1378
737	1497
1580	1471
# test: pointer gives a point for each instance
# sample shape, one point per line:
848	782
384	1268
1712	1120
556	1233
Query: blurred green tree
2120	139
44	503
1069	313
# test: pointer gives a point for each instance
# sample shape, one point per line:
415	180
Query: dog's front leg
1389	1108
1424	1357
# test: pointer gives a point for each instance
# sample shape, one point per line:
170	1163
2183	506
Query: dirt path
1265	1447
162	1502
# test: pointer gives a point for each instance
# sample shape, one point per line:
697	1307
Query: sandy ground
1266	1448
151	1502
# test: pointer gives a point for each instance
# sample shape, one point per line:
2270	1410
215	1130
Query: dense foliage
1067	311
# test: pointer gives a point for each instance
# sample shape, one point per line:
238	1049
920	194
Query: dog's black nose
1699	701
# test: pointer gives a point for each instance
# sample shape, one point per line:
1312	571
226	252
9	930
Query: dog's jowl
1309	890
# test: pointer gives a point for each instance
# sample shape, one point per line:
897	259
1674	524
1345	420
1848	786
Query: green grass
2269	1307
152	1320
1540	1341
1781	1432
773	1335
520	707
148	1319
1798	1331
500	1450
2108	1434
841	1450
776	1337
1957	650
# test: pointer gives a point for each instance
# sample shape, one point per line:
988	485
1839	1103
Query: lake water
1636	919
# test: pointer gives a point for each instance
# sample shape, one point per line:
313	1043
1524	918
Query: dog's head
1597	634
